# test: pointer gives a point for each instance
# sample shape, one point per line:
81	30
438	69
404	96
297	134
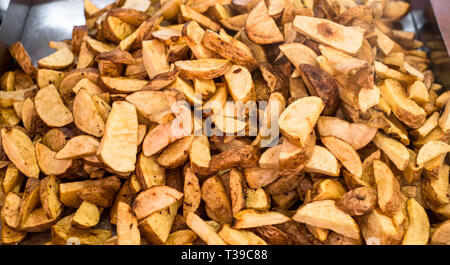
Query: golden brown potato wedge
343	38
396	151
156	227
118	147
239	237
192	191
388	188
77	147
63	233
357	135
50	107
325	214
176	153
190	14
229	48
203	68
61	59
430	151
154	199
260	27
257	199
45	77
86	216
240	84
418	230
199	155
344	153
49	192
405	109
216	199
10	210
20	150
203	230
22	57
181	237
48	163
378	228
358	201
149	172
250	218
127	225
12	179
297	128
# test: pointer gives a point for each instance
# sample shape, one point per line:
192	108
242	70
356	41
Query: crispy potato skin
216	199
358	201
246	156
322	85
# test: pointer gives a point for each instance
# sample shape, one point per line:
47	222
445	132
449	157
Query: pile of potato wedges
94	133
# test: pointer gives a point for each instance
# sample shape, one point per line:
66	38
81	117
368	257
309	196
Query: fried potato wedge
156	227
154	56
61	59
430	151
298	53
50	107
203	68
321	84
358	201
250	218
45	77
69	192
344	153
260	27
22	57
299	118
240	84
343	38
357	135
229	48
176	153
257	199
378	228
47	162
216	199
388	188
154	199
192	191
10	210
20	150
153	105
203	230
199	154
418	230
86	216
49	192
396	151
325	214
149	172
63	230
77	147
86	116
127	225
405	109
118	147
190	14
239	237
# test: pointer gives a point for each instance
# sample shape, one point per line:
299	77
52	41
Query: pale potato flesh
118	147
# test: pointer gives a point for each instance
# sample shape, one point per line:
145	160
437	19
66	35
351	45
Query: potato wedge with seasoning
20	150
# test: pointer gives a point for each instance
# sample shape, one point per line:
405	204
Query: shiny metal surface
36	22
